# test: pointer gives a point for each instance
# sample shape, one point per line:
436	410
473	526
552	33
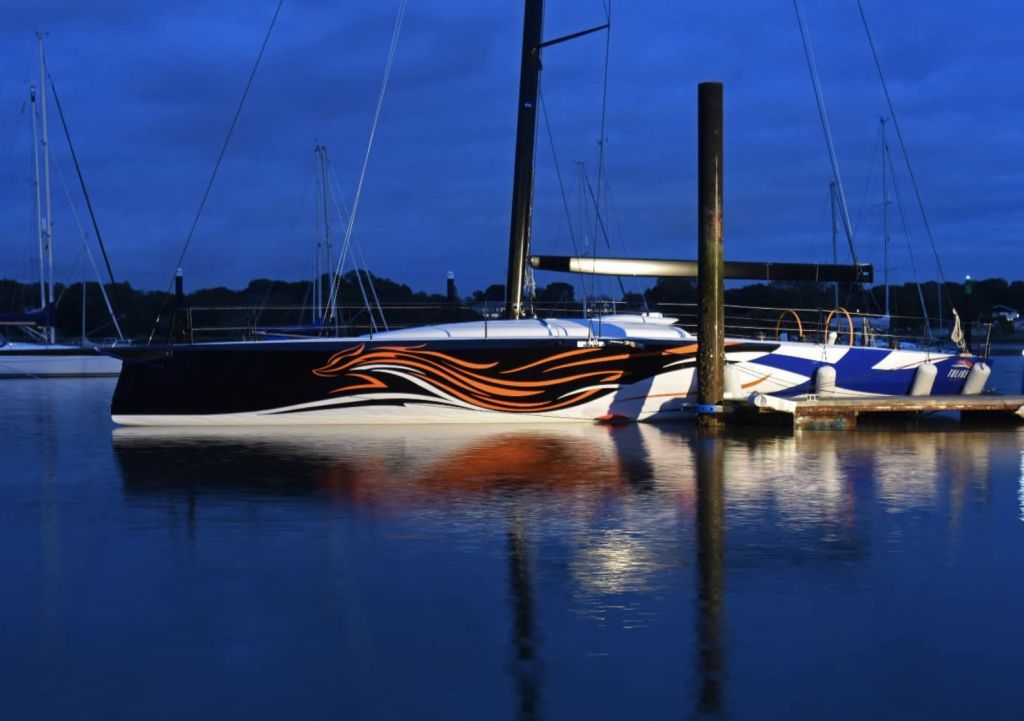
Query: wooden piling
710	256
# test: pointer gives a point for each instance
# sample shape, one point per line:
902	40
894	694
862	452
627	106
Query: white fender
731	382
976	379
924	379
774	403
825	380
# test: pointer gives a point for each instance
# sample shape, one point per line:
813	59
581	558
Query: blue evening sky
149	89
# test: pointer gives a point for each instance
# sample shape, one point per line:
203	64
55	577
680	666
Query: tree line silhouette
276	303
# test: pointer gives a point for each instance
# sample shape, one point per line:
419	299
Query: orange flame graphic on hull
547	384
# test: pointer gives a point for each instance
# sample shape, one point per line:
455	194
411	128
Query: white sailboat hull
28	360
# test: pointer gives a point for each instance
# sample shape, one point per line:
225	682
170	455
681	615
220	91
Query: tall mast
318	257
39	200
321	152
48	228
885	221
522	181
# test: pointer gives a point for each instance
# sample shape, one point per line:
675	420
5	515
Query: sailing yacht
42	356
613	368
55	360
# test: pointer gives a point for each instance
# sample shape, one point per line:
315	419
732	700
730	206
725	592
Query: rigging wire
85	191
604	112
343	212
601	139
369	145
585	233
85	244
867	183
868	295
366	301
910	248
601	154
220	158
604	233
823	115
231	130
373	287
558	172
561	184
903	145
622	238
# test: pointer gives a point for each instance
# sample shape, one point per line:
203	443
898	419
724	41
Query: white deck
651	326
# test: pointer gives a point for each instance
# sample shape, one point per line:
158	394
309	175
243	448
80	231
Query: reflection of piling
710	257
525	663
710	571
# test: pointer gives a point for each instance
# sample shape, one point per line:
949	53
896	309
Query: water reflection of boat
808	479
907	467
614	515
507	477
404	467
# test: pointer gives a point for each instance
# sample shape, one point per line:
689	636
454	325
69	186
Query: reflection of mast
51	572
710	571
525	663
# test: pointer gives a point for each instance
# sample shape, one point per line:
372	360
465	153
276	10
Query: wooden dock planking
843	413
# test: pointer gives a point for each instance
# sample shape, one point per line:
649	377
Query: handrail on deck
762	322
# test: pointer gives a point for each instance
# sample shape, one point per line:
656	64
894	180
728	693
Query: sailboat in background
42	356
622	367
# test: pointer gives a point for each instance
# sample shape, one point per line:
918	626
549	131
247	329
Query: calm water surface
578	572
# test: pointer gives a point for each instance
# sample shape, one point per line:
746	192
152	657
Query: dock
841	413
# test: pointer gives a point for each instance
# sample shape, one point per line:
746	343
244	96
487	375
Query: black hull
294	378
